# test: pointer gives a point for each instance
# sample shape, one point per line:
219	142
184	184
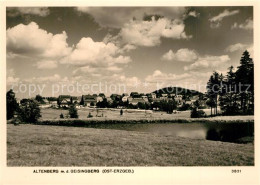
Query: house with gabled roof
89	100
64	100
135	101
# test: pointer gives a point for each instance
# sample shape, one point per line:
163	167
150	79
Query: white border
143	175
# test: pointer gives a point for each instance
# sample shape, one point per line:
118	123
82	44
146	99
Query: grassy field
50	113
36	145
131	114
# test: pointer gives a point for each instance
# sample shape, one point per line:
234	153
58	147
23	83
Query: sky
85	50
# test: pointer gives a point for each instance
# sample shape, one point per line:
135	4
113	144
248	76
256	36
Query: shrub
73	112
29	111
230	110
90	115
195	113
61	115
11	104
184	107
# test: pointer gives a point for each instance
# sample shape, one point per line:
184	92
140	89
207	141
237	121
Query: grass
132	114
38	145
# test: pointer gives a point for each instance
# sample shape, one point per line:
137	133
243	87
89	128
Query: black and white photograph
130	86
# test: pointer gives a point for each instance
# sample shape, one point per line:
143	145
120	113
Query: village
133	100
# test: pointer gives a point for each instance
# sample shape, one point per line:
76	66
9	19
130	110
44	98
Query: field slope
37	145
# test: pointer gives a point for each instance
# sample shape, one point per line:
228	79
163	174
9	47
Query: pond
229	132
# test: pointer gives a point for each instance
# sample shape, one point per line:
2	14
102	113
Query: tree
245	80
11	104
59	102
196	103
73	112
195	113
29	111
213	90
168	106
61	116
184	107
236	90
211	103
39	98
141	105
82	100
228	99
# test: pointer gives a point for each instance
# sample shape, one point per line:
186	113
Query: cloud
12	80
160	76
208	62
15	11
247	25
128	81
149	33
117	16
89	52
96	71
110	80
97	60
183	55
250	49
168	56
10	77
47	64
194	14
192	80
30	40
236	47
56	78
215	21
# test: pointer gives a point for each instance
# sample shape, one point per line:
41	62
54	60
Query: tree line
233	92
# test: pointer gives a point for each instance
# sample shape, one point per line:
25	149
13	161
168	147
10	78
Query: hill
178	91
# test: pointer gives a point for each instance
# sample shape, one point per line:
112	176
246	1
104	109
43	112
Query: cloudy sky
59	50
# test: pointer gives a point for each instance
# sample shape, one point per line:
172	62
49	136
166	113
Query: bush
90	115
195	113
11	104
73	112
231	110
61	116
29	111
184	107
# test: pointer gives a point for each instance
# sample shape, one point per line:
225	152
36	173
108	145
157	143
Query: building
124	98
188	101
125	94
153	95
99	99
109	100
115	97
135	101
64	100
164	95
156	100
45	101
134	94
178	98
101	95
74	100
145	98
172	95
53	103
89	100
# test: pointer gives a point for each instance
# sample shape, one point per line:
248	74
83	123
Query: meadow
133	114
42	145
